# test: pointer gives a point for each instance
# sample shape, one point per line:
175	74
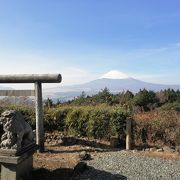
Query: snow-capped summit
114	74
114	80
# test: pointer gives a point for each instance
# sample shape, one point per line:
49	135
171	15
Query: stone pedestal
17	167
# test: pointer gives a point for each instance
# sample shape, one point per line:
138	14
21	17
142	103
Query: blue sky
84	39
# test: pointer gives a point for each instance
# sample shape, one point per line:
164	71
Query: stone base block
19	171
17	167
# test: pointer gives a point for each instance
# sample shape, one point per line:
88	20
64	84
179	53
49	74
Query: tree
145	99
58	102
83	95
178	96
125	98
104	96
170	95
128	96
48	103
80	100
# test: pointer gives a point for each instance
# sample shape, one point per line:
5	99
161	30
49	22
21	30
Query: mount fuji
115	81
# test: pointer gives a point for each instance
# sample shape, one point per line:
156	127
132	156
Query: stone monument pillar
17	146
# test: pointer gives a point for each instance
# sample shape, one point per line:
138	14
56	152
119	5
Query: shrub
171	106
97	122
157	128
54	118
75	121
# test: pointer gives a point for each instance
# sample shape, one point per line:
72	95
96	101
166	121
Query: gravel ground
128	165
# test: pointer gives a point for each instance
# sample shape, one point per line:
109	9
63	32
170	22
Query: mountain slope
114	85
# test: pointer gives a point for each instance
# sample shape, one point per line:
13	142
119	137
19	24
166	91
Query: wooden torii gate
37	79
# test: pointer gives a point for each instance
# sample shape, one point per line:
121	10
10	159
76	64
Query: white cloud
153	51
162	78
72	75
177	45
40	64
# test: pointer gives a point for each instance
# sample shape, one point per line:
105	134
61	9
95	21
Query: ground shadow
45	174
95	174
89	173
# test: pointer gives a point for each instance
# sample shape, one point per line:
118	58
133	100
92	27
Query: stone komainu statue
17	132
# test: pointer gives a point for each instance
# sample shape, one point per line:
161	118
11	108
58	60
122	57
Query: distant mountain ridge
114	85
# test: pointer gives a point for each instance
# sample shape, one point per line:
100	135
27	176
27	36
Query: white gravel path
130	166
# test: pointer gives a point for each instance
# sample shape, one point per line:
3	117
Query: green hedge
97	122
153	128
